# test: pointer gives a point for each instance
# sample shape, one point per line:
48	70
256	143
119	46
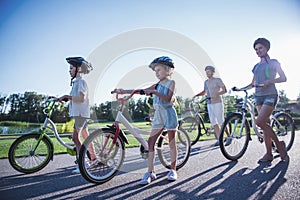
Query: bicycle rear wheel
239	136
284	126
192	126
182	145
28	154
109	156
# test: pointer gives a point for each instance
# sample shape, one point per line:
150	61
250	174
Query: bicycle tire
284	126
107	163
22	156
239	143
192	126
183	146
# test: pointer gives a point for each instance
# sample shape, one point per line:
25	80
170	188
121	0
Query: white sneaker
172	175
147	178
76	170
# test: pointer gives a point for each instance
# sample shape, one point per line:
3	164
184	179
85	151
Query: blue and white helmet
165	60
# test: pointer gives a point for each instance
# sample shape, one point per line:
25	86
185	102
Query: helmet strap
73	77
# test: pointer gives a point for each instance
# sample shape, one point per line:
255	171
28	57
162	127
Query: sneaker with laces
228	141
147	178
172	175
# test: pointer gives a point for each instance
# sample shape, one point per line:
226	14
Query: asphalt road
207	175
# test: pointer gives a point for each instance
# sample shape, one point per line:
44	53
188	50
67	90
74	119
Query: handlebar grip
234	88
142	92
65	99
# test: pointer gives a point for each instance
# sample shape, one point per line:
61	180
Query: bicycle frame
199	117
249	106
136	132
49	124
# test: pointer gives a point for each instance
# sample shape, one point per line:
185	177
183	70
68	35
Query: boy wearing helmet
214	88
265	73
165	116
79	100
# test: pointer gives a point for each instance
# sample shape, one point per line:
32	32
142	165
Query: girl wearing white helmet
79	107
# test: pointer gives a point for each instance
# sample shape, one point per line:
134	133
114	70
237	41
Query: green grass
6	141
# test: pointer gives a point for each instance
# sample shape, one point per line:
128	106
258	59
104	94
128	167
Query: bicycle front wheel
284	126
29	154
192	126
109	156
234	136
183	147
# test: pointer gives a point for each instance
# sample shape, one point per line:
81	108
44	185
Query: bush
65	127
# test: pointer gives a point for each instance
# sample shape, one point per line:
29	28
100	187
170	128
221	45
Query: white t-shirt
79	109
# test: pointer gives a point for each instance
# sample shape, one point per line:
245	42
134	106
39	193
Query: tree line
28	107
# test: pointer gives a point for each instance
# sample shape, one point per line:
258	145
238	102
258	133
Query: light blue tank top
163	89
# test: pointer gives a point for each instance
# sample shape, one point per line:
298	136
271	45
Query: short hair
210	68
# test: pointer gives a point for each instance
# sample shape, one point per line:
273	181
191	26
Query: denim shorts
165	118
270	100
80	122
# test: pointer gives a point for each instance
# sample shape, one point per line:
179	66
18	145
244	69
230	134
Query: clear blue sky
36	36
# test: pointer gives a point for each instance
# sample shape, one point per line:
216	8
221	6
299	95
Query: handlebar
248	87
130	92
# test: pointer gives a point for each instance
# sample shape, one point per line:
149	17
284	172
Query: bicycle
33	151
109	148
239	126
193	125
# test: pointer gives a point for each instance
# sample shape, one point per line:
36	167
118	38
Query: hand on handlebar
149	92
248	87
64	98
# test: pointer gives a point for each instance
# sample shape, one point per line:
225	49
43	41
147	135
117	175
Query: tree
283	100
3	100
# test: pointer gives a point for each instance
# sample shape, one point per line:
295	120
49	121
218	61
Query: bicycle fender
113	130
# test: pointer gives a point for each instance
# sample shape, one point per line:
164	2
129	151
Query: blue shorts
270	100
165	118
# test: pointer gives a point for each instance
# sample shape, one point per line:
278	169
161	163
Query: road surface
207	175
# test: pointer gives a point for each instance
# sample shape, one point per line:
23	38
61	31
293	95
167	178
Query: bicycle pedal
145	155
261	140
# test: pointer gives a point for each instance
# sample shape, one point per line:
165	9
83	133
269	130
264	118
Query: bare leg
155	133
85	134
263	121
173	150
217	131
76	139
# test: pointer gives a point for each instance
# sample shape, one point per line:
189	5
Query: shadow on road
216	182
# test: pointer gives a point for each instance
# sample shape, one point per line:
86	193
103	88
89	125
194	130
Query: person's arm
166	98
200	94
77	99
280	79
223	89
122	91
